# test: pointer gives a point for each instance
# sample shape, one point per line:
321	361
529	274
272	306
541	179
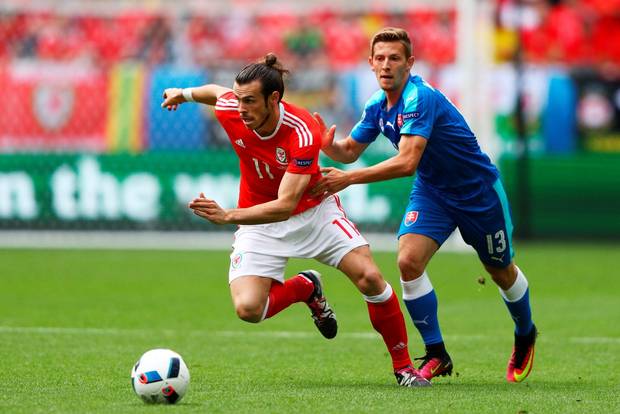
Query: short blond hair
392	34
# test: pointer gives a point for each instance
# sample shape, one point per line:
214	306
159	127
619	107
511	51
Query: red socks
385	315
387	319
282	295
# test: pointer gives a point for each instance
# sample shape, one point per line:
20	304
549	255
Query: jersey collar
400	98
275	131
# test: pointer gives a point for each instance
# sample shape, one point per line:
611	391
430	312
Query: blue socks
421	302
517	299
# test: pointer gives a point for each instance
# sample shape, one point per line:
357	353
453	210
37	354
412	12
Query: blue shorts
484	221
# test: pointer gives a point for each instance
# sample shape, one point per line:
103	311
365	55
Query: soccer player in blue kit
456	186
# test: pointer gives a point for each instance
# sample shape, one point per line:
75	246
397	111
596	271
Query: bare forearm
403	164
269	212
385	170
207	94
290	191
339	152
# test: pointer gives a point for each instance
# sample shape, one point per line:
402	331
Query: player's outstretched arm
405	163
206	94
345	150
290	191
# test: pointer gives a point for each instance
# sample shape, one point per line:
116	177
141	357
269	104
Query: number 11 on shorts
344	223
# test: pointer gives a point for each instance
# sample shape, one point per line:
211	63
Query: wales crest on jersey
281	155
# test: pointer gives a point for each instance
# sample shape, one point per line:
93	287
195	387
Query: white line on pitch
595	340
269	334
44	330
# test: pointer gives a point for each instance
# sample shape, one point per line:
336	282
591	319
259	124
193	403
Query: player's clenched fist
173	97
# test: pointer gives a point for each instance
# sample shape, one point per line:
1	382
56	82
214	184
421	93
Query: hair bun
270	59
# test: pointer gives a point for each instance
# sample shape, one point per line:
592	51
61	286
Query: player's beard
264	121
389	84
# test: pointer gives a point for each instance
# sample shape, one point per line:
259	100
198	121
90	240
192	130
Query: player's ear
410	61
274	98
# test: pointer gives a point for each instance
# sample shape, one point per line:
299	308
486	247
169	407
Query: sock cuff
381	297
264	315
517	290
413	289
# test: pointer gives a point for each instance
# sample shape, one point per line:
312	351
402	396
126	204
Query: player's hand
208	209
327	135
333	181
173	97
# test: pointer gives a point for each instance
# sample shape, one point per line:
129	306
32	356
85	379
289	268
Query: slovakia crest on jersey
410	218
281	155
399	120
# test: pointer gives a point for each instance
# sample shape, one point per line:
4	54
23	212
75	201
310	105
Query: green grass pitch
72	324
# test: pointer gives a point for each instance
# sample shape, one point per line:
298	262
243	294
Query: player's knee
503	277
249	311
370	282
410	267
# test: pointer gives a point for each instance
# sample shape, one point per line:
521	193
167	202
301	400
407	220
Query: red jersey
293	147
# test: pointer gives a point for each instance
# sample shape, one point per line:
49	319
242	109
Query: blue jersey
452	164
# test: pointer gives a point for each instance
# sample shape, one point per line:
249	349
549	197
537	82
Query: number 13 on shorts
496	243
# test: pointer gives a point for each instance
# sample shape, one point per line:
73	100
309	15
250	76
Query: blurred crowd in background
86	145
140	48
574	32
323	37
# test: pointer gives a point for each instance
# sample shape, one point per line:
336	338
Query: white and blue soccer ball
160	377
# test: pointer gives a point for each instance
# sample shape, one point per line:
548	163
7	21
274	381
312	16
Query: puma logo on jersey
499	259
240	143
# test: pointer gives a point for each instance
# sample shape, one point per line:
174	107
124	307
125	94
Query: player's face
253	110
390	65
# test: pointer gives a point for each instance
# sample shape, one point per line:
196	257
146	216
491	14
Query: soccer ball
160	377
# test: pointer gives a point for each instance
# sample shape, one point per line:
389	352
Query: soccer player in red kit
278	148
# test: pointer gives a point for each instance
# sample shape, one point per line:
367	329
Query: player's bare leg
503	277
414	253
384	311
514	289
249	295
257	298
